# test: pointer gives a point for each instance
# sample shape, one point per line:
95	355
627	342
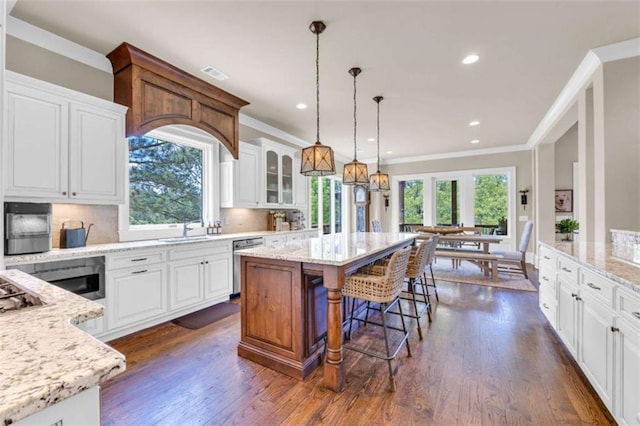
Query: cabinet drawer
568	269
548	304
547	277
548	258
597	285
199	250
629	305
135	258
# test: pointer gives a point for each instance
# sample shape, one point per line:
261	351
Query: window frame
346	207
194	138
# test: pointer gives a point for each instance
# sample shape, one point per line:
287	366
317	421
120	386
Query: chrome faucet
186	229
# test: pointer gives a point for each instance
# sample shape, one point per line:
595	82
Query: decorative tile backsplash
626	245
104	219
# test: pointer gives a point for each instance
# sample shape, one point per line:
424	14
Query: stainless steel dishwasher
238	245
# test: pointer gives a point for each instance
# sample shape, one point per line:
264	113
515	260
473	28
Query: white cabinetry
80	409
62	146
241	180
599	323
301	195
278	175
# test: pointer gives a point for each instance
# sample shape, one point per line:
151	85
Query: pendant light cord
355	121
378	137
318	87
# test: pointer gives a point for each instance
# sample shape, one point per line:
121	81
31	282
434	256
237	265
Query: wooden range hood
159	94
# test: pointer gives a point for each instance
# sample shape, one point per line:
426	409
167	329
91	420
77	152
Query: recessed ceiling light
371	139
470	59
215	73
475	141
389	152
301	106
474	123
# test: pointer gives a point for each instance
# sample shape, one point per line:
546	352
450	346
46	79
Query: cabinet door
272	177
226	184
96	144
185	283
248	178
596	346
136	295
286	195
218	276
628	374
37	144
567	314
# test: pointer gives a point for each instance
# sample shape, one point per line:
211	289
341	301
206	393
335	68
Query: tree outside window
165	182
412	201
491	199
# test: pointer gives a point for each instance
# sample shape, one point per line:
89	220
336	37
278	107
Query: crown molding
580	79
459	154
54	43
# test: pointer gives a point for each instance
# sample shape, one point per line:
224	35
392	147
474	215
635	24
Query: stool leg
353	306
425	294
366	315
392	382
404	329
435	289
412	284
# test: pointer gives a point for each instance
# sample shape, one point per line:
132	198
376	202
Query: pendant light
317	159
355	172
379	181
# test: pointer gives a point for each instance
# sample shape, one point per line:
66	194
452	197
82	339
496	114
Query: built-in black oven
84	276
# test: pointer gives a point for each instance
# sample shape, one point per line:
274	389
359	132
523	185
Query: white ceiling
410	52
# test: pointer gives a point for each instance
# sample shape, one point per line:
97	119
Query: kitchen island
285	311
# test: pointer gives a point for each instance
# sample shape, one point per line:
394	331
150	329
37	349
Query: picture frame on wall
564	200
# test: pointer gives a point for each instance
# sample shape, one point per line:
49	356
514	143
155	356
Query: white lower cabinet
136	294
596	345
218	276
186	278
82	409
598	320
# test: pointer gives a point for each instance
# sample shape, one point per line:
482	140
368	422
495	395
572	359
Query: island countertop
45	358
602	258
331	249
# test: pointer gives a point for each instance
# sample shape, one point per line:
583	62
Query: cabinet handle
578	298
565	269
593	286
545	278
636	314
547	257
140	259
574	295
614	329
545	306
64	192
139	272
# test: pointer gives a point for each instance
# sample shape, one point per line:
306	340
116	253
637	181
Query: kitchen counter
45	358
600	258
101	249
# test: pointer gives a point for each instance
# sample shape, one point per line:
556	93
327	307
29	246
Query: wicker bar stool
431	255
380	284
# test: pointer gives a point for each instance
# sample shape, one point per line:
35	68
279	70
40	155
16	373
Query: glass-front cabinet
279	175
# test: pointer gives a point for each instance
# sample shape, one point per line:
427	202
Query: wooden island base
283	316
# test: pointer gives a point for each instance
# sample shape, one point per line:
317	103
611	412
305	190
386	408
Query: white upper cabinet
62	146
301	195
241	179
278	175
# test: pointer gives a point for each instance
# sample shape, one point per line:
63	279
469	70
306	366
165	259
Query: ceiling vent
212	72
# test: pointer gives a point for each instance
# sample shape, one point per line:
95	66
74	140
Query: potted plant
567	226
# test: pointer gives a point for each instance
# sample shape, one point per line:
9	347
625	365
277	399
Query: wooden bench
476	256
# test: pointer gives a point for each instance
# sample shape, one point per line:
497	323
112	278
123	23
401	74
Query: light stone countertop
101	249
331	249
44	357
599	258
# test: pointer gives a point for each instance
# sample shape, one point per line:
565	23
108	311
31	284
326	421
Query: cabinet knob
574	295
64	192
614	329
578	298
74	194
207	262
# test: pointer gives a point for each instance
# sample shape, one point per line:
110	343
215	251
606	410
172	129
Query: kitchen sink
183	239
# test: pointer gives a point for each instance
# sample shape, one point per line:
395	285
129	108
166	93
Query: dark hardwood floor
488	357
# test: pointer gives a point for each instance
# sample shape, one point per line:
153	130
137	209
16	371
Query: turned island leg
334	374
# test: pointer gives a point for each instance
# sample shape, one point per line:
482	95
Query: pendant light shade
379	181
355	172
317	159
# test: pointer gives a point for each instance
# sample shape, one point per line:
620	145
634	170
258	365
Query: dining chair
380	284
515	261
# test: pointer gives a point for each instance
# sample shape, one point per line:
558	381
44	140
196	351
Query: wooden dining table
482	240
